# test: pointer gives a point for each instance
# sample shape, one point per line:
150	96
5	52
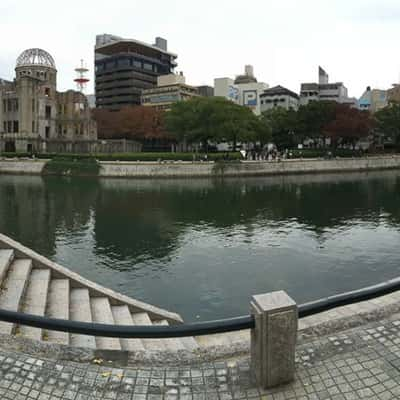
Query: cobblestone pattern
358	364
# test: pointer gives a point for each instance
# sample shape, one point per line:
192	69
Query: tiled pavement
358	364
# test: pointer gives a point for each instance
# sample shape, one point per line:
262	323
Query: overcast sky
356	41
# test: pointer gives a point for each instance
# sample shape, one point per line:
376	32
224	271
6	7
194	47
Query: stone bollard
273	340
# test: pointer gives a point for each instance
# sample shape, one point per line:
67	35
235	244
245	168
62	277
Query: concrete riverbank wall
244	168
115	169
22	167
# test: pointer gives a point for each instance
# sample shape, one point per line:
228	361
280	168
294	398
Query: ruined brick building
34	117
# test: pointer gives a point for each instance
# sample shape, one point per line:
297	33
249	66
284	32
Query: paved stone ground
358	364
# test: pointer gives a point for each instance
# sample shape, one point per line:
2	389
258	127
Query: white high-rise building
244	89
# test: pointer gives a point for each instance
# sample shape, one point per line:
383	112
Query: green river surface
202	248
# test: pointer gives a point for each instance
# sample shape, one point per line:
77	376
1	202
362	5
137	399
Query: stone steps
35	301
58	307
101	312
12	290
32	284
122	316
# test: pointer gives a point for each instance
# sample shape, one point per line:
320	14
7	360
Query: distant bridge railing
273	322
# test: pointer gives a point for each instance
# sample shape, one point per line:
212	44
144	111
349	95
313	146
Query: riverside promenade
361	363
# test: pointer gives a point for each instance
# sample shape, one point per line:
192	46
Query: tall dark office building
124	67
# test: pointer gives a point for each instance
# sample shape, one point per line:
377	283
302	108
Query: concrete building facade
324	91
394	93
373	100
170	89
244	90
33	113
126	67
279	96
205	91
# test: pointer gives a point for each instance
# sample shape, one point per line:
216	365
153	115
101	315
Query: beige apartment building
170	89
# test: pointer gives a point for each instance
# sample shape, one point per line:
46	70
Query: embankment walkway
362	363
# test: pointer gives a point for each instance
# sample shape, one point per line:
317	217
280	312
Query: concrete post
273	341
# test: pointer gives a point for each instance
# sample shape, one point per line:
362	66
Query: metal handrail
129	331
196	328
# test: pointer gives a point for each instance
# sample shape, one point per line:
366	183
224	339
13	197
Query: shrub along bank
72	167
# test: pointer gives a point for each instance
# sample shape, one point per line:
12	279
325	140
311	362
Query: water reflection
204	246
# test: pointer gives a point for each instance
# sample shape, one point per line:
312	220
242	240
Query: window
110	64
33	105
16	127
47	92
47	132
5	105
9	126
137	64
4	126
79	107
124	62
147	66
48	112
33	126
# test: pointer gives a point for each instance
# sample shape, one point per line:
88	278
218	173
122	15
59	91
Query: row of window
79	130
11	126
128	63
10	105
39	74
281	100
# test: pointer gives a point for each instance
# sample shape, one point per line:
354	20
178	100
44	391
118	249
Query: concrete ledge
186	169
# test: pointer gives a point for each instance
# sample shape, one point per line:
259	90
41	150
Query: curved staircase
32	284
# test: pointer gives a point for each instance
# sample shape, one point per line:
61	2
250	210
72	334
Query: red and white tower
81	80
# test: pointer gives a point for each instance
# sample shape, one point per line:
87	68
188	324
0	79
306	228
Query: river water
202	247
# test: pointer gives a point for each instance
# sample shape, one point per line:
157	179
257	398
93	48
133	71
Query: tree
349	125
131	122
388	121
204	119
312	119
281	125
238	123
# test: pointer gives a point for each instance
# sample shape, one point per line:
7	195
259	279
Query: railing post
273	340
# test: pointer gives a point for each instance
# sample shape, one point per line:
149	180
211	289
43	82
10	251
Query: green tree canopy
312	119
211	118
388	121
281	125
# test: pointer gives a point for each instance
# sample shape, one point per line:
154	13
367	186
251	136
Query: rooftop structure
205	91
324	91
81	80
278	96
248	76
35	57
126	67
